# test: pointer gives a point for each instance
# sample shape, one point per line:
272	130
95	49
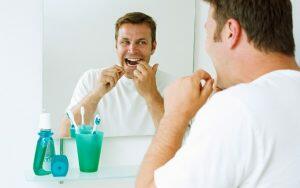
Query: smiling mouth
132	61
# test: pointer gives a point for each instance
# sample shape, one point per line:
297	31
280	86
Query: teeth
133	59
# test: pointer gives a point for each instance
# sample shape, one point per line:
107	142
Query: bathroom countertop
103	173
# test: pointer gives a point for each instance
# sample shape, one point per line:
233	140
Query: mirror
79	35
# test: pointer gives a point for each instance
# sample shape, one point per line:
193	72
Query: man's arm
163	147
107	80
145	82
155	105
182	100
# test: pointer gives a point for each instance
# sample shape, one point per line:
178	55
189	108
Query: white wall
21	84
202	60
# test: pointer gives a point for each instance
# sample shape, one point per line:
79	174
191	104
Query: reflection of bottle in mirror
44	148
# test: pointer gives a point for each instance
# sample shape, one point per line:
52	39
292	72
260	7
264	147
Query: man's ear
233	32
153	47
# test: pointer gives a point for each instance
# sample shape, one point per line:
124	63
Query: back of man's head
136	18
267	23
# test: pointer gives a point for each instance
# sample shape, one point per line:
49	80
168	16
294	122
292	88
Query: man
124	94
248	134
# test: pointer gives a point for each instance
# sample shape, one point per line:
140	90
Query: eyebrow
141	39
124	38
136	40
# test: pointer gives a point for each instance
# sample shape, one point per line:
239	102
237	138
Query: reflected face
215	48
134	44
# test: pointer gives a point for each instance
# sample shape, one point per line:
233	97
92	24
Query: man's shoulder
89	75
223	114
267	87
226	104
240	92
232	93
88	79
229	98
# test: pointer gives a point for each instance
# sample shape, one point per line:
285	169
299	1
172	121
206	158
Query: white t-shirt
122	110
245	136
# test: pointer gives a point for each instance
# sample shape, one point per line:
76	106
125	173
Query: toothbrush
97	121
82	115
72	120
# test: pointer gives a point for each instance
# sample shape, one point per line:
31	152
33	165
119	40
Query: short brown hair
136	18
268	23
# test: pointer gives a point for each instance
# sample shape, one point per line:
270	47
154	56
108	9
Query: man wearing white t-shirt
248	134
127	96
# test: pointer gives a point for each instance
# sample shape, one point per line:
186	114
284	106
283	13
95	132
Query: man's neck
260	63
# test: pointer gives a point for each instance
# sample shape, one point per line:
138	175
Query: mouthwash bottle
45	147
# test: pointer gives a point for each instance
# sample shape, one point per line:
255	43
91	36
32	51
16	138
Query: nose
132	48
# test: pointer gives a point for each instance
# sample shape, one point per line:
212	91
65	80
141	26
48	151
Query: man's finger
118	71
121	74
110	80
137	74
154	68
112	74
207	89
119	68
146	65
136	79
141	69
201	74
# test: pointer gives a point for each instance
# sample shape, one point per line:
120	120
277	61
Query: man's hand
145	81
108	78
185	96
182	100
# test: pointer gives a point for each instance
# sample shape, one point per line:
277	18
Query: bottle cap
45	121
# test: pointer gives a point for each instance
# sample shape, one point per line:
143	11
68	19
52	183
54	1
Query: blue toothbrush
72	120
97	121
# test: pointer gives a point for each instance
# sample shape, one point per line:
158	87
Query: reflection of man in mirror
127	96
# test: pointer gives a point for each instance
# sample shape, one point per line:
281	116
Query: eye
124	42
142	42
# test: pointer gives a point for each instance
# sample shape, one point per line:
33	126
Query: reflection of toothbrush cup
70	115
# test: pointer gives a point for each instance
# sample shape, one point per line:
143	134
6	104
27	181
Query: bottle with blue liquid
45	147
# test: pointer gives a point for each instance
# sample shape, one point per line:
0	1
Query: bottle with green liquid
45	147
